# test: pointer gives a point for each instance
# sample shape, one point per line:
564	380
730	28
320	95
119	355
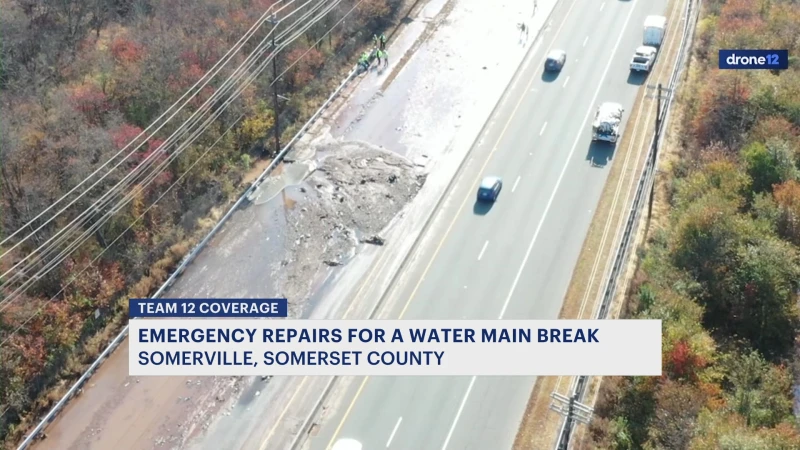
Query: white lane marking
566	165
483	250
544	214
566	81
458	413
513	188
603	5
543	127
585	41
391	436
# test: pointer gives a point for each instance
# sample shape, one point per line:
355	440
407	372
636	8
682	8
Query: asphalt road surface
514	259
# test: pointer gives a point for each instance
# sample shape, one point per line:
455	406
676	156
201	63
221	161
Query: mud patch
355	191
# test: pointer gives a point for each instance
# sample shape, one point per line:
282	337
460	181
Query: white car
347	444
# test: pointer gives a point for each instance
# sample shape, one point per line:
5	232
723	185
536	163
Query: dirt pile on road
355	191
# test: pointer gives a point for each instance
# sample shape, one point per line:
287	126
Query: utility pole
573	412
276	127
661	94
658	117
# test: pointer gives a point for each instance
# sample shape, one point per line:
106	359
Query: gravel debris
355	191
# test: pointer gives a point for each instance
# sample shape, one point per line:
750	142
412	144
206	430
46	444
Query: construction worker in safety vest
383	41
364	60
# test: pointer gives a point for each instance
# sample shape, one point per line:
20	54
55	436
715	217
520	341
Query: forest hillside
722	269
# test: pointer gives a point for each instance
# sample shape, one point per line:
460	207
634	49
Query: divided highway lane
515	259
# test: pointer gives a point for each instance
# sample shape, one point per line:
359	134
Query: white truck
643	59
654	30
606	122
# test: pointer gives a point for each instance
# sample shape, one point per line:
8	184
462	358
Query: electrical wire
120	185
87	233
315	43
215	69
22	325
94	260
95	206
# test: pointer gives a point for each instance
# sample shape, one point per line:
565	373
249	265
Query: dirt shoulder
540	425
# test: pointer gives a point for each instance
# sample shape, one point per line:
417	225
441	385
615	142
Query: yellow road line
382	259
277	422
347	412
449	229
375	269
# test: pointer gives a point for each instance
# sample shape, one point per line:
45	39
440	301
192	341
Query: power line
215	69
103	201
128	198
249	80
319	40
10	335
150	178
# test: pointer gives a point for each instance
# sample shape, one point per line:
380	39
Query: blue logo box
208	307
754	59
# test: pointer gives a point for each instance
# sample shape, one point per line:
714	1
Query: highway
514	259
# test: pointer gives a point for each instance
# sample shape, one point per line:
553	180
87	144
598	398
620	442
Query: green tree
769	164
720	178
761	288
759	392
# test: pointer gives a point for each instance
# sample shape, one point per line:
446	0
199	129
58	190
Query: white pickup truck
643	59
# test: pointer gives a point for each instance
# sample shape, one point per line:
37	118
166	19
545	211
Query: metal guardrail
188	259
645	185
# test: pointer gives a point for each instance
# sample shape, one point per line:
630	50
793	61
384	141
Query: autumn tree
787	197
720	177
724	272
724	113
741	25
769	164
674	421
761	289
723	430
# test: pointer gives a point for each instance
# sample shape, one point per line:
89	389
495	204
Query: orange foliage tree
787	195
724	112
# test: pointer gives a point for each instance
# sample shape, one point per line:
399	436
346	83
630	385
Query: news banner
249	337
